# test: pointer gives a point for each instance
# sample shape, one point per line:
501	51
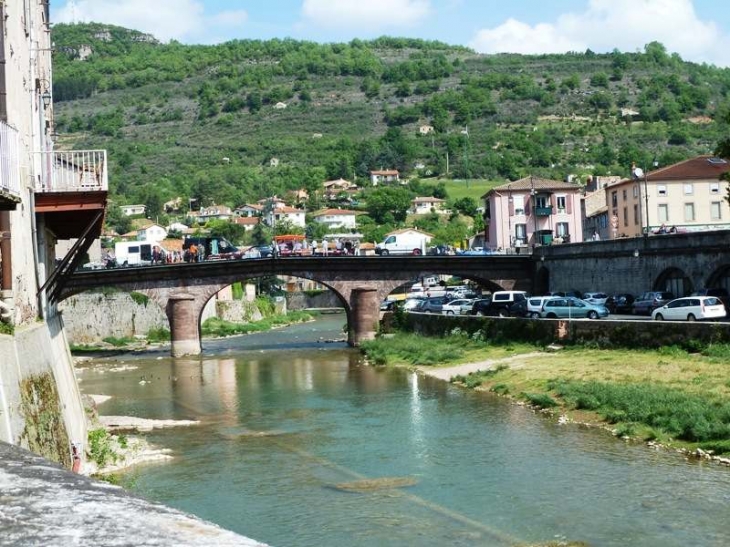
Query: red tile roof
701	167
334	212
528	183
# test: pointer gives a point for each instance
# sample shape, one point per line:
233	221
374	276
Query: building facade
532	211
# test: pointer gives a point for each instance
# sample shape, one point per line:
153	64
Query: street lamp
637	174
534	210
510	212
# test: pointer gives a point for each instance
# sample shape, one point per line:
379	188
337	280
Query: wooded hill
203	122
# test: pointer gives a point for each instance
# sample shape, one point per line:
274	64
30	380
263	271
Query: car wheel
449	312
534	315
592	315
659	317
479	314
503	313
551	316
416	252
691	317
384	252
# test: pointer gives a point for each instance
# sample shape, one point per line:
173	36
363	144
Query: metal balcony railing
9	160
74	171
543	211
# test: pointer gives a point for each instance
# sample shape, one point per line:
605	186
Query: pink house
532	211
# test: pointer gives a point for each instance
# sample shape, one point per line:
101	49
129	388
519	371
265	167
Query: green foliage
6	328
139	298
694	418
218	327
101	447
158	335
118	342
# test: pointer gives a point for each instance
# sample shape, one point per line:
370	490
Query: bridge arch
720	278
675	281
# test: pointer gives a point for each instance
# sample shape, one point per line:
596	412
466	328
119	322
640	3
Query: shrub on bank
220	328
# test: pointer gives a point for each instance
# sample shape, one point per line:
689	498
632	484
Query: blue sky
699	30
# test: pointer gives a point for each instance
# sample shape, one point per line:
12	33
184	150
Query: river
301	444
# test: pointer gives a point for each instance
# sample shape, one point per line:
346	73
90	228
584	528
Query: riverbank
667	397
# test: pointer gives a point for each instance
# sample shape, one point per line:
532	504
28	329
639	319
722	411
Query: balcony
9	168
543	211
72	191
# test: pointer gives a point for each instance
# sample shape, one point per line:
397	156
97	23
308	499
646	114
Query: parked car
519	309
264	251
481	306
718	292
595	298
574	294
412	304
649	301
457	307
691	308
535	304
572	308
502	300
432	305
389	305
620	303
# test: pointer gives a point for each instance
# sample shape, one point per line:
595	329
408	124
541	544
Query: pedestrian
325	246
314	247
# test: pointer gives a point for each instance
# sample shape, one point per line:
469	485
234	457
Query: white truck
405	243
133	253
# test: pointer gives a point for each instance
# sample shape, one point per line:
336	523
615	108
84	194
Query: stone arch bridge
361	283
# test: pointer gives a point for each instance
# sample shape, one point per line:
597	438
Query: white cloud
373	15
627	25
183	20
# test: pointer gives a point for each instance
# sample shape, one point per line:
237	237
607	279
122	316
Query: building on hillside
688	196
335	190
214	212
133	210
384	176
532	211
173	206
47	197
425	129
336	218
298	197
249	210
151	232
280	106
272	202
285	214
594	213
178	227
426	205
248	223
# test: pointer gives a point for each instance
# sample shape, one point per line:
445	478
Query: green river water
301	444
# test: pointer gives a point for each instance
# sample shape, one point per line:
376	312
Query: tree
388	205
466	206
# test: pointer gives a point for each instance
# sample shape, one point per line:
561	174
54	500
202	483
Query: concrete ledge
43	504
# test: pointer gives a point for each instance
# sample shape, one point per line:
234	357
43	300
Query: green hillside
201	121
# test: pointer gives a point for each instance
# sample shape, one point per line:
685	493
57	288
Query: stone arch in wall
720	278
674	280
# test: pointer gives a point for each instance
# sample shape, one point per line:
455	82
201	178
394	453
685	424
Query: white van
133	253
405	244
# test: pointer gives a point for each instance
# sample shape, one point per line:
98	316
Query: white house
151	232
388	175
336	218
131	210
280	106
286	214
425	205
249	210
215	212
425	129
248	223
178	227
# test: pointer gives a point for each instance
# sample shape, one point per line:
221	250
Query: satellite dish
638	172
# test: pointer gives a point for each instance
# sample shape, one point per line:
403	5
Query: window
662	190
625	194
561	229
714	187
689	212
519	204
688	189
541	201
626	216
561	203
636	214
520	234
716	210
614	199
636	190
663	213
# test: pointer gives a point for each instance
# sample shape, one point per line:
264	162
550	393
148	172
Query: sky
698	30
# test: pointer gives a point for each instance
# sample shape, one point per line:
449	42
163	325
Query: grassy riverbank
669	395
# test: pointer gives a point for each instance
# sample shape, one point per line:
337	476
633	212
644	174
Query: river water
291	426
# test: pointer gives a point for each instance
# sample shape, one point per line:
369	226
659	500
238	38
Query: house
425	129
379	177
336	218
214	212
248	223
178	227
335	189
298	196
594	214
249	210
532	211
173	205
280	106
274	162
132	210
151	232
273	201
285	214
688	195
426	205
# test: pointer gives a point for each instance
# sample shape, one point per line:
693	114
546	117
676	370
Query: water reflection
440	465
